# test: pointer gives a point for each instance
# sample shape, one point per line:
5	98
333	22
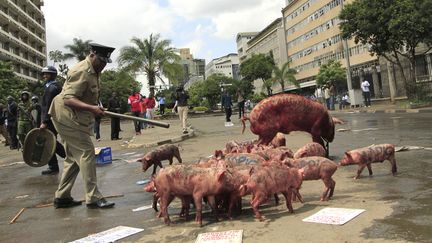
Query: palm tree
79	49
283	74
152	56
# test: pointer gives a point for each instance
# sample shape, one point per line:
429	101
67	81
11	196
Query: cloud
230	17
108	22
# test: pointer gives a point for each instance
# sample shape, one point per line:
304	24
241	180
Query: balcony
27	16
13	57
18	42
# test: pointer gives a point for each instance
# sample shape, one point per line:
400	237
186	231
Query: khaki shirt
82	82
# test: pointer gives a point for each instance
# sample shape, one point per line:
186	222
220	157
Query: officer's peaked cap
102	51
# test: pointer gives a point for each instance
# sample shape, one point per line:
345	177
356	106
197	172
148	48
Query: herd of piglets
261	168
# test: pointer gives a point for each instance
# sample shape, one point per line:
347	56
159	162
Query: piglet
315	168
154	157
310	149
266	181
190	180
372	154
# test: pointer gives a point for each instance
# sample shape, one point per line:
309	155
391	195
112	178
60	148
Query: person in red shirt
150	103
134	101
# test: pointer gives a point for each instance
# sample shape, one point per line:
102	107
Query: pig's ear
347	153
139	160
252	170
221	175
337	121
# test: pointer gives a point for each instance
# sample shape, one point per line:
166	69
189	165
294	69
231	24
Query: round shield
39	147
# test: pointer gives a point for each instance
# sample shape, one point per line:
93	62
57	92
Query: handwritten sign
336	216
110	235
232	236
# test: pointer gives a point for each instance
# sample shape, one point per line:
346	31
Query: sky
208	28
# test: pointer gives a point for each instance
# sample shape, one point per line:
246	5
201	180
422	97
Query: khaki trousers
3	131
80	156
183	113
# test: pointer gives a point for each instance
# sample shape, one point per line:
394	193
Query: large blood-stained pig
288	112
372	154
268	180
315	168
310	149
190	180
154	157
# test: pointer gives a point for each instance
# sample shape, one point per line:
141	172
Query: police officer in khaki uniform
73	112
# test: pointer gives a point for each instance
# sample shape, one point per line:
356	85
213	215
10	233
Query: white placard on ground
142	208
336	216
232	236
110	235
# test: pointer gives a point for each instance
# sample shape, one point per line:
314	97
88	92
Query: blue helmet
49	69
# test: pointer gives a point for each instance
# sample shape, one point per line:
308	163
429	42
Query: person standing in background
134	101
143	106
227	107
36	112
25	119
241	103
150	104
3	130
161	105
366	93
114	106
11	127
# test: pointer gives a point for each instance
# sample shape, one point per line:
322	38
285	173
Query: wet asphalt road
411	189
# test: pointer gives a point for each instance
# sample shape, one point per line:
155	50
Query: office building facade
313	38
227	65
23	37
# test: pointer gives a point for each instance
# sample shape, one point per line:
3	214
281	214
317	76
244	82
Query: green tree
79	49
56	56
121	82
281	75
10	84
259	67
153	56
392	28
331	73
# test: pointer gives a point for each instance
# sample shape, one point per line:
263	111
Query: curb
166	141
387	111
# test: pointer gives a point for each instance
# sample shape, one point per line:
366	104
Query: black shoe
66	202
101	203
50	171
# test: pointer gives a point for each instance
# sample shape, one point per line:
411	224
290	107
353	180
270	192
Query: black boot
66	202
50	171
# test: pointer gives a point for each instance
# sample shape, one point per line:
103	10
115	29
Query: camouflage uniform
25	121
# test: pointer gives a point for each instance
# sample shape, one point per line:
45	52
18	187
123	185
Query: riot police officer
36	113
25	119
11	118
51	89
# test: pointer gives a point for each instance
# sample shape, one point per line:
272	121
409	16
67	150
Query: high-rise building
313	38
227	65
242	40
23	37
193	69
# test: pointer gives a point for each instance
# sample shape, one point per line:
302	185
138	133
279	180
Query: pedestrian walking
134	101
51	89
73	112
143	113
181	97
3	130
12	122
241	103
366	93
226	103
114	106
332	93
25	119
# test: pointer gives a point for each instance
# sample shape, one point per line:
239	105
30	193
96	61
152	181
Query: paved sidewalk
385	108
